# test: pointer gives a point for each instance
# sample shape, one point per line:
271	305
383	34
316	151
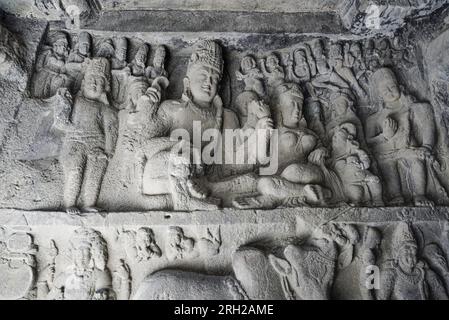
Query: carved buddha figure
158	67
357	62
89	140
273	71
146	247
51	73
88	278
302	69
401	135
251	75
106	49
200	104
139	63
82	49
301	66
341	105
121	54
320	57
299	177
352	165
254	89
406	277
178	246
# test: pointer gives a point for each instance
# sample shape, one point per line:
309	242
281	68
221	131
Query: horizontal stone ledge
312	216
216	21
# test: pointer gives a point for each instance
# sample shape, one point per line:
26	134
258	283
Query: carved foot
398	201
196	190
316	195
93	210
194	204
73	210
422	201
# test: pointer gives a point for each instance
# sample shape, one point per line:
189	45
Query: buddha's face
203	83
84	48
408	255
143	238
300	59
159	58
248	63
388	89
82	257
175	237
318	49
60	47
272	62
291	108
122	51
356	50
302	67
94	86
141	57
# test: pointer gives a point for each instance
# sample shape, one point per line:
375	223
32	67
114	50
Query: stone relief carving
140	245
307	272
179	246
309	105
402	144
18	264
88	277
358	127
407	276
122	281
90	138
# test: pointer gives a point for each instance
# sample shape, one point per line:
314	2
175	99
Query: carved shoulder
230	119
170	107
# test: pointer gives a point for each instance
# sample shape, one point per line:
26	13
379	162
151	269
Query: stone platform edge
313	216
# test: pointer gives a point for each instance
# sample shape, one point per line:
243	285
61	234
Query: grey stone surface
97	203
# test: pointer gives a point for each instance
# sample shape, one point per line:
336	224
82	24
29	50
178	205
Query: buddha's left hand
318	157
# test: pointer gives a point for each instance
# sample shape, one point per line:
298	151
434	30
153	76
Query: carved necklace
416	277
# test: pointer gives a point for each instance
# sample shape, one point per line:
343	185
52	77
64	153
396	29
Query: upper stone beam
359	17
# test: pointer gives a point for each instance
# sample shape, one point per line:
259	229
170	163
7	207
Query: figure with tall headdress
90	137
406	276
51	73
88	277
200	109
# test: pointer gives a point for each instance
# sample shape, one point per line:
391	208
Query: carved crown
207	53
100	67
403	235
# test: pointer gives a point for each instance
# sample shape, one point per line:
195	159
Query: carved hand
65	94
390	127
423	152
318	156
154	95
259	109
264	123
